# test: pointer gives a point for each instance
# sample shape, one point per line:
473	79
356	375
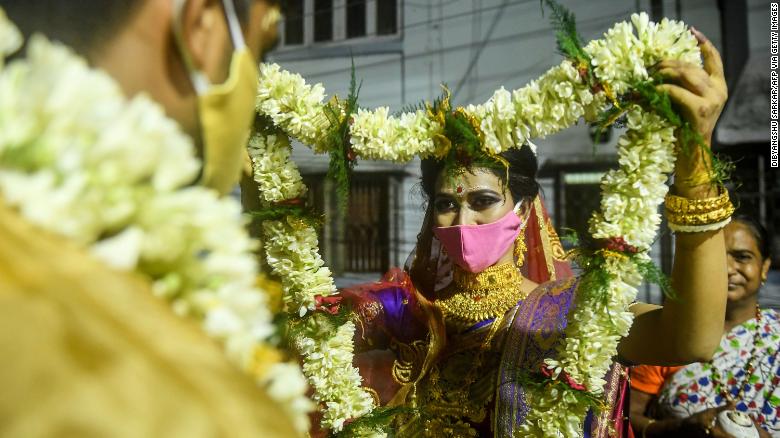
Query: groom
88	351
176	51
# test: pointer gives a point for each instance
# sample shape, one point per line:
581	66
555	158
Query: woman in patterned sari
487	295
744	374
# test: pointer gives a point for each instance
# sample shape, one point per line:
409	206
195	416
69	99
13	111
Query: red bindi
459	189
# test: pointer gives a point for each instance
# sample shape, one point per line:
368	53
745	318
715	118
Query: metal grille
366	225
580	201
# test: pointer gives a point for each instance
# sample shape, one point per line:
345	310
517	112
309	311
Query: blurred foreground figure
87	350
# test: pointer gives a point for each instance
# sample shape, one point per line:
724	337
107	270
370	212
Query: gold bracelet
678	205
707	218
644	429
689	215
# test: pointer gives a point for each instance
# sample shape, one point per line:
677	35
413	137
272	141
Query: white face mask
226	110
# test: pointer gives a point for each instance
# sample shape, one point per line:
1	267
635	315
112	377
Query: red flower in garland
583	72
619	244
327	304
291	202
563	377
351	155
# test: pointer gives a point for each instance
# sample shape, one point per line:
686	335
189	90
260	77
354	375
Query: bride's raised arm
689	327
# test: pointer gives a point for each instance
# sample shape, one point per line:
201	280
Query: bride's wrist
694	176
698	191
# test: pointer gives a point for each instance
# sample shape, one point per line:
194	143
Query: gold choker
472	298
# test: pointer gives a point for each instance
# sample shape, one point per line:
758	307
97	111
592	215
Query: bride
486	297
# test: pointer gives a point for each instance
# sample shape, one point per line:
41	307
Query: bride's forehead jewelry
460	189
461	145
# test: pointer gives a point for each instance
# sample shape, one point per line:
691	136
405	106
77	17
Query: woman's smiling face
746	266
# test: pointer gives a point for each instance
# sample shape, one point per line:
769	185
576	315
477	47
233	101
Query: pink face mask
475	247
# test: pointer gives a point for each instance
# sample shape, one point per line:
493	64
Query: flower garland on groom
89	159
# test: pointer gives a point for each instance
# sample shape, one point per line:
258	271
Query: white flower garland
79	159
291	251
555	101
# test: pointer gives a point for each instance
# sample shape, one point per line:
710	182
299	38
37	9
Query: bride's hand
699	92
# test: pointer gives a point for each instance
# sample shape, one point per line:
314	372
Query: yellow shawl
89	352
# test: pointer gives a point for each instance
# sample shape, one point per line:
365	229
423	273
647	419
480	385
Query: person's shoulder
650	378
772	318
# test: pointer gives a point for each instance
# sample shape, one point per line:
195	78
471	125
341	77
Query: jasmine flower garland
290	102
292	253
114	176
596	79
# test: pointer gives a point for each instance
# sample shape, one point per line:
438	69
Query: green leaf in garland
438	103
653	275
378	420
565	26
589	256
342	159
280	211
659	102
647	95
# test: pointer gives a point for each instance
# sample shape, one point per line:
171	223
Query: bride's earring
520	249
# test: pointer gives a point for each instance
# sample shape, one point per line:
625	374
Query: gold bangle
707	218
644	429
679	205
684	213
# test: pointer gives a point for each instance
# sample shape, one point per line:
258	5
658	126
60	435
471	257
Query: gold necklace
472	298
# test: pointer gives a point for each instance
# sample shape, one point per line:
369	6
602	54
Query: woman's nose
464	217
731	265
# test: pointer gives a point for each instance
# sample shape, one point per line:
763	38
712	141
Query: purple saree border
532	336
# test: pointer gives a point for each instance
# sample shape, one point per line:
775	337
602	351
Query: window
357	240
314	22
386	17
323	20
356	18
293	23
366	228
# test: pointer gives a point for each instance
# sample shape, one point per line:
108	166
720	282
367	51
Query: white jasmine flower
115	176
